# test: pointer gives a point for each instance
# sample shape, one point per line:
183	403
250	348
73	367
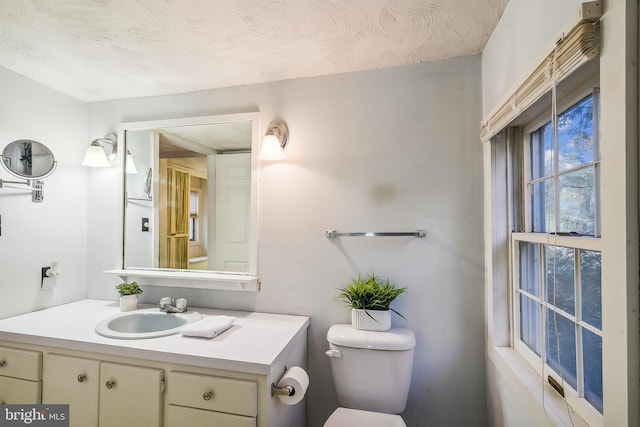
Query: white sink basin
141	324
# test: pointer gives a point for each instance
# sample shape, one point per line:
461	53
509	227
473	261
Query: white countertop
251	345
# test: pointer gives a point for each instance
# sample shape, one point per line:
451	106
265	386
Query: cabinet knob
208	395
110	384
3	363
81	378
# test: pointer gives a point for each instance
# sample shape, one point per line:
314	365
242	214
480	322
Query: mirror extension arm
36	186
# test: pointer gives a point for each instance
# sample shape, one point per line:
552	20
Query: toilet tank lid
393	339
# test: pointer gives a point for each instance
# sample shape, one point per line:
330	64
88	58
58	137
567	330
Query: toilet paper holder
282	391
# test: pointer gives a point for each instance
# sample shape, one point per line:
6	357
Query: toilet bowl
372	375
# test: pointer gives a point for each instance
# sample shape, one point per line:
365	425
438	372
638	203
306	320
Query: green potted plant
370	302
128	295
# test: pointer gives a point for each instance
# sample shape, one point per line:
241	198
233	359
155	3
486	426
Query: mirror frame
29	177
207	279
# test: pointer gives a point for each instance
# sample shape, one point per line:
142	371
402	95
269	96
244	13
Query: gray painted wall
35	234
380	150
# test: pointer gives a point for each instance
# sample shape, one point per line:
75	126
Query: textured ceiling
106	49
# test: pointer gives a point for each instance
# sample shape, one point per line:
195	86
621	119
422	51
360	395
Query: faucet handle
181	304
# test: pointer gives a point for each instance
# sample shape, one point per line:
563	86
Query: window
563	173
556	251
194	226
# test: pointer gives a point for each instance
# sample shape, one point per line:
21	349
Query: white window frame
573	397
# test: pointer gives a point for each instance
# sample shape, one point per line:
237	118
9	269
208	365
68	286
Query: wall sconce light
96	156
131	165
274	142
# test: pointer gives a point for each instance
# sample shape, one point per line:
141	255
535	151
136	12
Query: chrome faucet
170	305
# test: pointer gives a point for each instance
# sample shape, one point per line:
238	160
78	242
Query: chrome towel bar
418	233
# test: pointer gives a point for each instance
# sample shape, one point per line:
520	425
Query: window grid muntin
566	172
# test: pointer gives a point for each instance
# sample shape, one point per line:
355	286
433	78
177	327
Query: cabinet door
74	381
179	416
15	391
130	396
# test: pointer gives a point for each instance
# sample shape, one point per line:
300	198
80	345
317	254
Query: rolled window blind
573	50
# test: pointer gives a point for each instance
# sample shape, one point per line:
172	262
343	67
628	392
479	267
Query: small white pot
362	319
128	302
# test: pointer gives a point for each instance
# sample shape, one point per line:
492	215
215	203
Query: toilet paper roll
297	378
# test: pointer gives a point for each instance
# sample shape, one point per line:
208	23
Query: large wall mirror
190	202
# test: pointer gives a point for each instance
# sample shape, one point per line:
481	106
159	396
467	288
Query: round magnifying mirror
28	159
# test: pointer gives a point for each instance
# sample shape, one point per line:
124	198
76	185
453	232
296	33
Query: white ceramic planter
361	319
128	302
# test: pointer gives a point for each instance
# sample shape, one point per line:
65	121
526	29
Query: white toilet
372	374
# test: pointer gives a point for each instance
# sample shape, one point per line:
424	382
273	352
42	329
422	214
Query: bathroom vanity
54	356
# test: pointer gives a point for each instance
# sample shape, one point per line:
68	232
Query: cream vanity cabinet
103	393
170	381
20	376
122	392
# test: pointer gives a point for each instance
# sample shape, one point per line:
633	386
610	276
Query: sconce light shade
96	155
274	142
271	149
131	166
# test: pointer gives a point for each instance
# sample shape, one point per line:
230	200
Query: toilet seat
344	417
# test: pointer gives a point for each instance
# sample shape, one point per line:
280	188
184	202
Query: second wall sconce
274	142
96	155
130	164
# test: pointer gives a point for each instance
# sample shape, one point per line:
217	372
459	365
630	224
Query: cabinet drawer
14	391
213	393
179	416
23	364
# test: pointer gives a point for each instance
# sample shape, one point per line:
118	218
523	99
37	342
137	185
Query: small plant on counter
128	289
371	293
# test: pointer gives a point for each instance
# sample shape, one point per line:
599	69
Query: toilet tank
371	369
